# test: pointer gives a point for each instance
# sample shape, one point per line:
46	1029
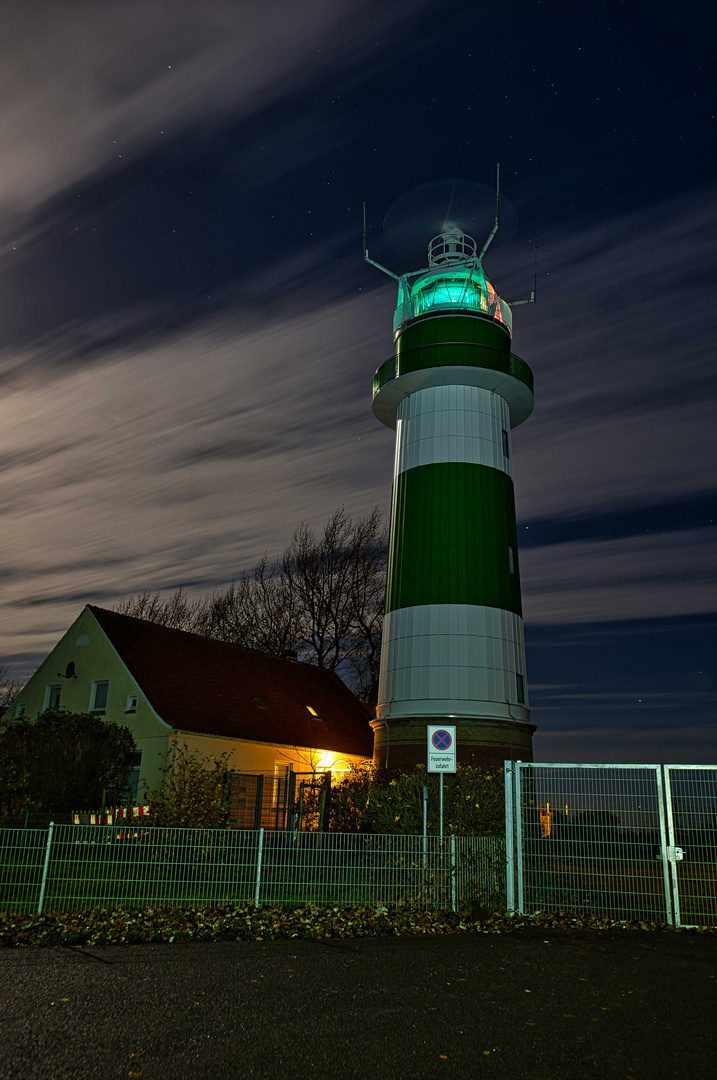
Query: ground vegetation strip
247	922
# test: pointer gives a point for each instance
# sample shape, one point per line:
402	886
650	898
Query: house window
506	444
20	711
520	687
131	703
511	558
313	712
259	703
131	790
100	691
53	693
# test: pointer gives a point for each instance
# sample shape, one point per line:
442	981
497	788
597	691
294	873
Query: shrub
61	761
193	793
378	801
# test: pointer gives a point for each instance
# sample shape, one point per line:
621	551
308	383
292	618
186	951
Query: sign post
441	757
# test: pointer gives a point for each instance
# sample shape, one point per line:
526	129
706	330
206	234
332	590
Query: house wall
254	757
95	659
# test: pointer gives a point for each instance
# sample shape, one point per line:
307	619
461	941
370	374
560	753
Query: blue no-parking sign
441	748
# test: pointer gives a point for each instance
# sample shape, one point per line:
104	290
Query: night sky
188	331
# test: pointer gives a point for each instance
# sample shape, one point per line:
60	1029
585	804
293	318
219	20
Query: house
172	688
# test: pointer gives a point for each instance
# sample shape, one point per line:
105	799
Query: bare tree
323	599
176	611
10	687
339	580
259	611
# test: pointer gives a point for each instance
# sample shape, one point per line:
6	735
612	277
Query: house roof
212	688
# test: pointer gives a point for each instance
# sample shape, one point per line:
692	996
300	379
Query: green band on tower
453	538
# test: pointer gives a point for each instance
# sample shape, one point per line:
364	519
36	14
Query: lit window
53	693
506	443
131	703
100	692
312	711
520	686
511	558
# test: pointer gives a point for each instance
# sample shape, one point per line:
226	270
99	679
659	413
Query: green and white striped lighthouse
453	647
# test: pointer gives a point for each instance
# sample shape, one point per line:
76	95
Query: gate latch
675	854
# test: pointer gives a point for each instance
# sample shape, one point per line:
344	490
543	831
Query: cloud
89	84
637	577
621	346
183	461
648	744
181	457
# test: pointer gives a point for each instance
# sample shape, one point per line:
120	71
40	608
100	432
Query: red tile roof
210	687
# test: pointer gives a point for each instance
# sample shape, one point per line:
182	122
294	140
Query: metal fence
261	801
631	842
69	868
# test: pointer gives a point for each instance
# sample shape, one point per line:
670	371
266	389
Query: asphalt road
545	1005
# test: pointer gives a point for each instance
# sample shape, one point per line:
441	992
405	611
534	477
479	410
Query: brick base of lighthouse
402	744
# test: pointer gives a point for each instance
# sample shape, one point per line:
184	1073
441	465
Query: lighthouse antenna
531	298
365	252
494	230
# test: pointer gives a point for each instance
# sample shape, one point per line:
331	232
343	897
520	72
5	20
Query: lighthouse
453	649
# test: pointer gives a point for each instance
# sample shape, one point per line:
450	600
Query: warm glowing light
546	821
312	711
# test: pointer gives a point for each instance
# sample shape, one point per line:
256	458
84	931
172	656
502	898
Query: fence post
509	839
259	804
519	831
425	825
290	801
45	868
258	867
325	792
453	871
667	842
300	818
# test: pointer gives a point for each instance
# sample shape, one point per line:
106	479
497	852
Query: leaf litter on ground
246	922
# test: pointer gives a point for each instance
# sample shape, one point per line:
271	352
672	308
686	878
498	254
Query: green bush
193	793
377	801
62	761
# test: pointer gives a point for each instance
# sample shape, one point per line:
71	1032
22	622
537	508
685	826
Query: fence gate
258	801
633	842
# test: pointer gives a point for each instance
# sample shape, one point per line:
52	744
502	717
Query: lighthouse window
506	444
511	558
520	687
